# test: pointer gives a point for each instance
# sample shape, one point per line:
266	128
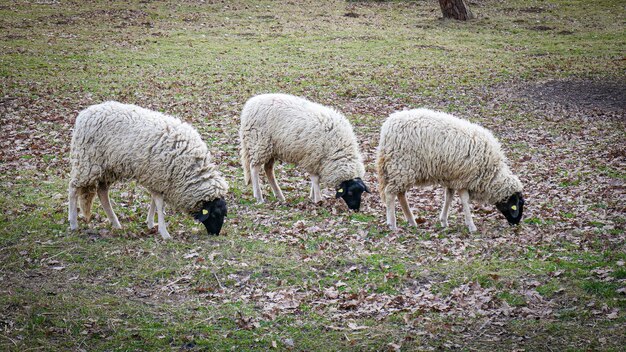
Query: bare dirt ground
602	97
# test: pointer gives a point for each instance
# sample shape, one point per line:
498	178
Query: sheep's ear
359	181
202	215
519	198
340	192
367	189
515	204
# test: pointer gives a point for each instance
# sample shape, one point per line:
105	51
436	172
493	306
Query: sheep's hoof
166	236
472	229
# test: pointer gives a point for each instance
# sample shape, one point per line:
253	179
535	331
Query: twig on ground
218	281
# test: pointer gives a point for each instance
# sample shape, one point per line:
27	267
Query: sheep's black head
512	208
212	215
351	191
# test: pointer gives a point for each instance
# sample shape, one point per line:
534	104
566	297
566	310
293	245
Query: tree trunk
456	9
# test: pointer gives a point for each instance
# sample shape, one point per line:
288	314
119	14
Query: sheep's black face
512	208
212	215
351	191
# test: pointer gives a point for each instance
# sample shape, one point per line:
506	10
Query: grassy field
547	78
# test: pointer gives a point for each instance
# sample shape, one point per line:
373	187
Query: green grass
300	276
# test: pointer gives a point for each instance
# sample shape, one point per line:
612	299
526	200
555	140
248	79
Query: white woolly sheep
315	137
113	141
423	147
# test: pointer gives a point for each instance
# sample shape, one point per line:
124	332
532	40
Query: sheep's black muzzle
212	215
351	192
512	208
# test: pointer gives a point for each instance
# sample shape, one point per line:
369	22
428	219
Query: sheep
315	137
423	147
114	141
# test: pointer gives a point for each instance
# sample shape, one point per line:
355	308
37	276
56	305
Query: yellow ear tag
204	211
340	190
513	207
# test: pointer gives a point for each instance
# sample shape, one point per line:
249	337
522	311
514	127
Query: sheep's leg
390	203
103	195
464	194
269	171
448	193
73	208
406	209
160	204
150	220
316	194
256	186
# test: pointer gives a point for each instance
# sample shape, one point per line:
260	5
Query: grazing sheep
423	147
317	138
114	141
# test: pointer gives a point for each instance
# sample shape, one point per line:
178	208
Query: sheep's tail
245	162
382	179
85	200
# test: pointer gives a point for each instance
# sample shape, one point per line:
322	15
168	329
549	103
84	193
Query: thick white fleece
317	138
114	141
422	147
